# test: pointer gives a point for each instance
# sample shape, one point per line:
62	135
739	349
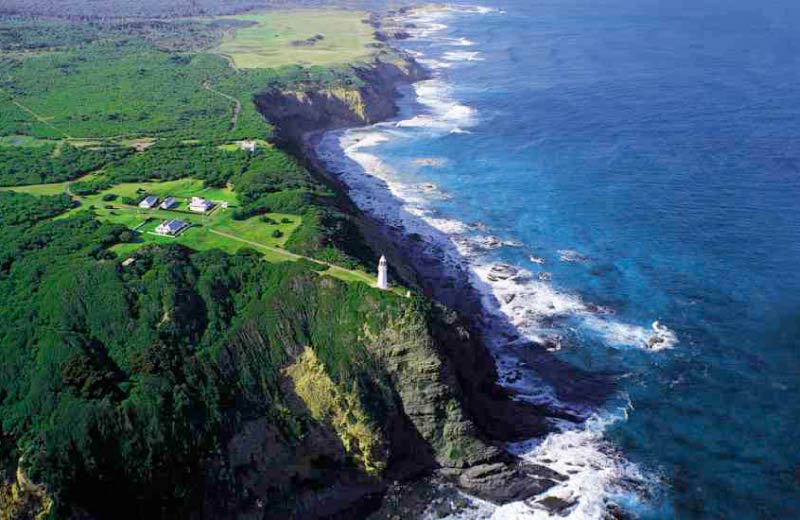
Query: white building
383	274
149	202
248	146
171	227
199	205
169	203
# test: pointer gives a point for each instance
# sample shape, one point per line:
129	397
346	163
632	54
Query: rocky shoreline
301	118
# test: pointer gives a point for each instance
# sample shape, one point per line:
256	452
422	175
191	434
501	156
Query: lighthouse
383	274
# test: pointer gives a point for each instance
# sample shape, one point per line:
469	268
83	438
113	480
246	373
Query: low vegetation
304	37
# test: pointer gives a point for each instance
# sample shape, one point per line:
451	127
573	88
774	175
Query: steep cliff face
24	499
365	398
310	108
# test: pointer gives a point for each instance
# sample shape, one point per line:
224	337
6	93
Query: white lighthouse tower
383	274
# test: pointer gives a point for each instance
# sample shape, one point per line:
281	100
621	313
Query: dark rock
555	505
508	482
615	512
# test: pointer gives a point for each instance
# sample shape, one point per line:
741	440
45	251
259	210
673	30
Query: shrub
108	197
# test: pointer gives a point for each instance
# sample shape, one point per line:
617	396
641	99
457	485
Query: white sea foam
444	112
523	298
462	56
458	42
622	335
571	256
472	9
597	474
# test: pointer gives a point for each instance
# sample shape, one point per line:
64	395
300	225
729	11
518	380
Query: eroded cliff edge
446	362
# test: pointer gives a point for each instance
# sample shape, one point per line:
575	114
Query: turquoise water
646	156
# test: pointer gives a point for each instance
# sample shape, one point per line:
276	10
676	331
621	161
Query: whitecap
462	56
620	335
458	42
571	256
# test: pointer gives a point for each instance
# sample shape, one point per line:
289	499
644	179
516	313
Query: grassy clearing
279	38
24	141
271	233
181	188
40	189
232	147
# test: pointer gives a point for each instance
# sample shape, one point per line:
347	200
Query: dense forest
127	376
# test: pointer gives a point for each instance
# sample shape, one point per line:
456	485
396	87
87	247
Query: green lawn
201	235
273	39
181	188
39	189
216	230
232	147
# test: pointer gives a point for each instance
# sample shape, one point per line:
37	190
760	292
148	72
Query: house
199	205
169	203
171	227
248	146
149	202
128	262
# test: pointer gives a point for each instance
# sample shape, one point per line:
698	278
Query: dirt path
333	270
36	116
237	105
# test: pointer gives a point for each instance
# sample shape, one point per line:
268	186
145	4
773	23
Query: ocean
622	180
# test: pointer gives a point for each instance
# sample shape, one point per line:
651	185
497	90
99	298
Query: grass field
215	230
200	235
280	38
40	189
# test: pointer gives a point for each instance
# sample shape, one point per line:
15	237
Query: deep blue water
659	139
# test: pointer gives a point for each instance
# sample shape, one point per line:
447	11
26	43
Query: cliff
367	99
442	375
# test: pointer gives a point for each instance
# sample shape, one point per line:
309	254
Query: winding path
333	270
237	105
37	117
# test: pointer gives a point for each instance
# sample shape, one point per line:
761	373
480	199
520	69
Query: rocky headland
460	442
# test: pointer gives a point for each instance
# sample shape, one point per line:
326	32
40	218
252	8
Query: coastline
302	120
545	414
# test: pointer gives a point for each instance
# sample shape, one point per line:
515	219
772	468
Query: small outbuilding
248	146
171	227
149	202
169	203
200	205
